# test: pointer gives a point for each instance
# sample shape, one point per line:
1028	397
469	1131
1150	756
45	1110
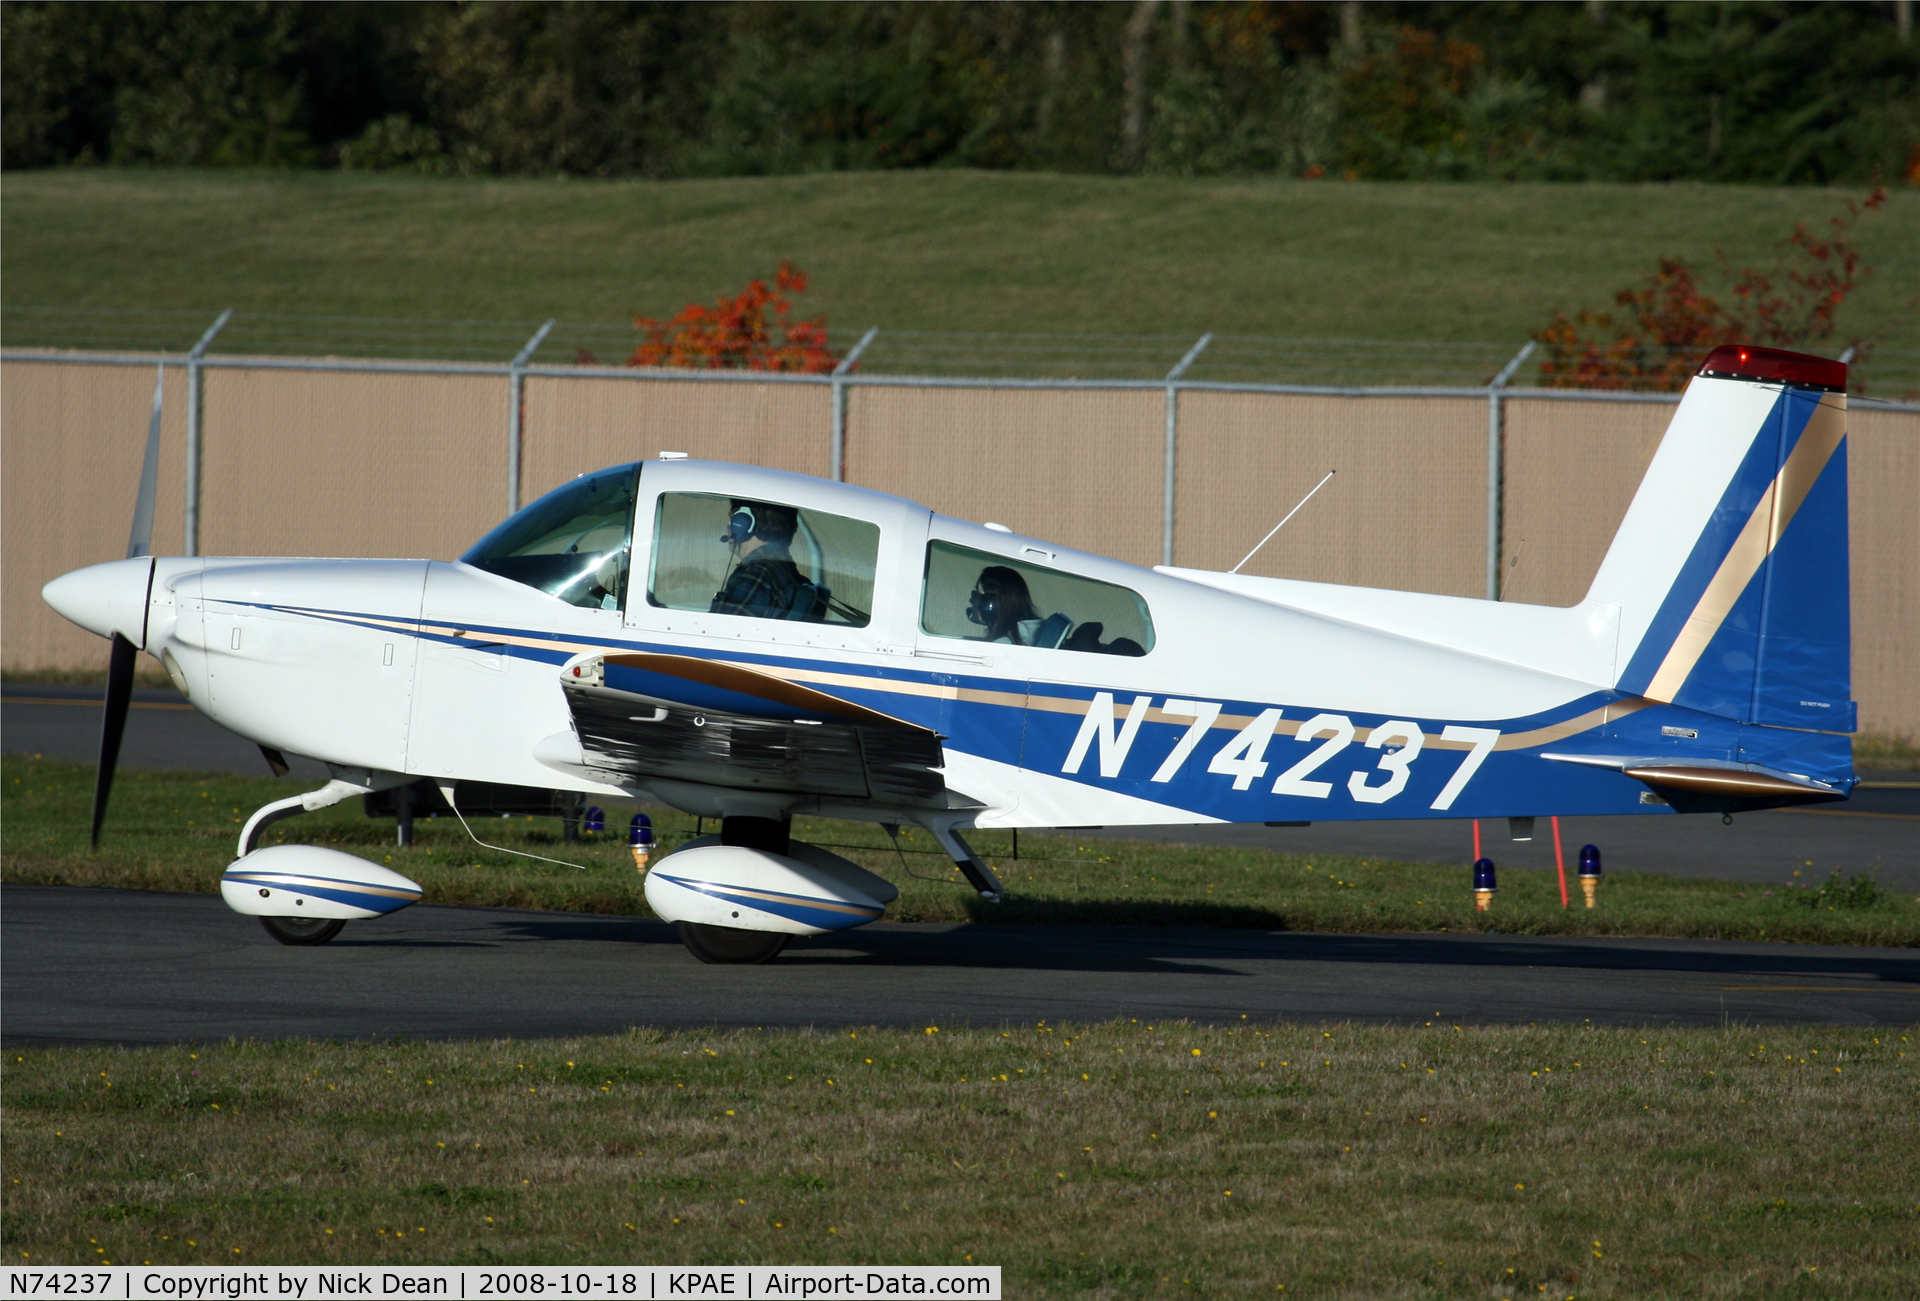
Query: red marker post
1559	861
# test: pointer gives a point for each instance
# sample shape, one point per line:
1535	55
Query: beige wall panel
1407	509
345	463
582	423
342	463
1883	488
72	441
1080	467
1571	471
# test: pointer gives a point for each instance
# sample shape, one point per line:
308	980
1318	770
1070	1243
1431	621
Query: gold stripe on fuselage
978	696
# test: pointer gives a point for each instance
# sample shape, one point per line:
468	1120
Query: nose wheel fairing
304	894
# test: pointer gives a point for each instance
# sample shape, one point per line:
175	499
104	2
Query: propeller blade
140	541
120	661
119	696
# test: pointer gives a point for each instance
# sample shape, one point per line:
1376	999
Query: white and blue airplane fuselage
749	645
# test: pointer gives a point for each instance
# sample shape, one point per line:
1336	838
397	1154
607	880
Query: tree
1769	91
1668	321
752	330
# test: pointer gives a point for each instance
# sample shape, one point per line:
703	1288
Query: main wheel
725	944
302	930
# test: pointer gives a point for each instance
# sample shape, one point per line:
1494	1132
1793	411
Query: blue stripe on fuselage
1512	782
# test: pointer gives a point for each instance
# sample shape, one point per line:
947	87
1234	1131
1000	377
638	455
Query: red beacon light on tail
1774	366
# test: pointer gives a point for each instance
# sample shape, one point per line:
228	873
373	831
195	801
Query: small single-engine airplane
746	644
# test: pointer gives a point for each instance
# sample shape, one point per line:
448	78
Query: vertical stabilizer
1730	568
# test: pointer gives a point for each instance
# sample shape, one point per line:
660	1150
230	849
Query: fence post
1496	470
837	441
190	525
1173	429
516	378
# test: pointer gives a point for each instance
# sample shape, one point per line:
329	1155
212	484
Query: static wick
1282	524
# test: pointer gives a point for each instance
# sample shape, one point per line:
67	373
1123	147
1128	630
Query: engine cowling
805	891
308	881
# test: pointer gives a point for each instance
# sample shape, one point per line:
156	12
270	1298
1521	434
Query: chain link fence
1888	373
1458	472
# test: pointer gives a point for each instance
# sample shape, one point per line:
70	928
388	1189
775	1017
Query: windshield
572	543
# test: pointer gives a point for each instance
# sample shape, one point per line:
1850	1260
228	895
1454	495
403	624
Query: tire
302	930
724	944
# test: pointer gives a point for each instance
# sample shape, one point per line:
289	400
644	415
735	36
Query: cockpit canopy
771	556
573	543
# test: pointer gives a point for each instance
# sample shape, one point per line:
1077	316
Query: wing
681	718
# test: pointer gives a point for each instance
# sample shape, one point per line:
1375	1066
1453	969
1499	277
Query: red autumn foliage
1669	321
753	330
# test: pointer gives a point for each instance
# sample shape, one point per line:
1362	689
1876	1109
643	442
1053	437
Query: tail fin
1730	568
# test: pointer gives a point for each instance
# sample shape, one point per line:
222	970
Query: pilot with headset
764	582
1001	604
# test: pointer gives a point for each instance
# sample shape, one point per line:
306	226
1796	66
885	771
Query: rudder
1731	566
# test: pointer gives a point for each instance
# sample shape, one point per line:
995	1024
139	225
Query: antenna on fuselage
1282	524
1511	566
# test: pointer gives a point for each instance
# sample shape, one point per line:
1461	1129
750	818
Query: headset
740	525
982	607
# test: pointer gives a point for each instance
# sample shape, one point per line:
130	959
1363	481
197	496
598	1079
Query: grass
1885	751
947	250
177	831
1108	1160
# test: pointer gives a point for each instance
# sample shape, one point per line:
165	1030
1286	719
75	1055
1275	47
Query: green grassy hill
940	250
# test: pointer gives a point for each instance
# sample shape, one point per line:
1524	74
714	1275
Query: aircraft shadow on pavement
1603	953
1197	951
1016	948
489	930
1152	948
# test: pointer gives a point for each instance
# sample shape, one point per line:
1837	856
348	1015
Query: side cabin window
767	560
572	543
978	596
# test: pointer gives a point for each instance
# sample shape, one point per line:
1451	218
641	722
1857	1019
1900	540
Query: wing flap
685	719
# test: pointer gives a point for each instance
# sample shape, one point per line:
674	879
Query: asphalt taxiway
133	967
130	967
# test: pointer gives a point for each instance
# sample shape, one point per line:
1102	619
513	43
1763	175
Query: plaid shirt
763	585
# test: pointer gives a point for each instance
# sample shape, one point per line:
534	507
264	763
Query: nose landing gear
304	894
